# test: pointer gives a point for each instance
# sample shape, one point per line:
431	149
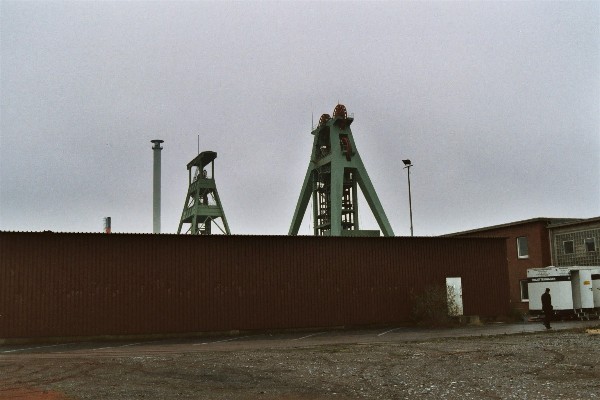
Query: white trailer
575	290
558	280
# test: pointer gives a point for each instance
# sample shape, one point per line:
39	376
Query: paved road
283	340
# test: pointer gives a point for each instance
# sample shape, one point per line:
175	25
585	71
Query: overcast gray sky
497	104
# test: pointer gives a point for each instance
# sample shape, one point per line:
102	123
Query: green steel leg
302	203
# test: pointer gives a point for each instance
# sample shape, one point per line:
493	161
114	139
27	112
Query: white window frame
519	255
521	283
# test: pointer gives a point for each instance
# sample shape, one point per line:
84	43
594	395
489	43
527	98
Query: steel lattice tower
202	205
334	173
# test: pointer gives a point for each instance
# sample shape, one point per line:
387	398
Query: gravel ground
410	364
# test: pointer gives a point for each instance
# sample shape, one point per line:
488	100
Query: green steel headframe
202	205
334	172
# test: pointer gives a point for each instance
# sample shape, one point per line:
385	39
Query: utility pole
408	165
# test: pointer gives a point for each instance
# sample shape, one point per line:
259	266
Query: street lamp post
408	165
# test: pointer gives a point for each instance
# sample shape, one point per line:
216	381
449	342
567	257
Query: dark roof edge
578	222
200	237
549	221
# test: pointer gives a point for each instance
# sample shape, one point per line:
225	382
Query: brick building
527	246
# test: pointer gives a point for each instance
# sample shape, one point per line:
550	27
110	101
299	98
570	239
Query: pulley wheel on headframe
340	111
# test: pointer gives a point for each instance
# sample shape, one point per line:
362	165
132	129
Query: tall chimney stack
156	193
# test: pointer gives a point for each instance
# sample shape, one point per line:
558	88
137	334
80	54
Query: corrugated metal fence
65	284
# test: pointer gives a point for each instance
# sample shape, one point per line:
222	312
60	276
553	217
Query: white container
558	280
596	286
581	282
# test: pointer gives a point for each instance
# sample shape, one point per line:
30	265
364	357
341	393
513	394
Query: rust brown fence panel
63	284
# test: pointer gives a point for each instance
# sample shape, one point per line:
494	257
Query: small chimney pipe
156	186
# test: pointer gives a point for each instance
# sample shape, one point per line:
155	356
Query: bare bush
434	306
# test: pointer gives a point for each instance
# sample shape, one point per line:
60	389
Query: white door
454	294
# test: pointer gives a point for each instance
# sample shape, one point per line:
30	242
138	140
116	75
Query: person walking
547	308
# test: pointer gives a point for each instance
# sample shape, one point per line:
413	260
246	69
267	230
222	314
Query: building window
522	248
590	244
568	247
524	290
